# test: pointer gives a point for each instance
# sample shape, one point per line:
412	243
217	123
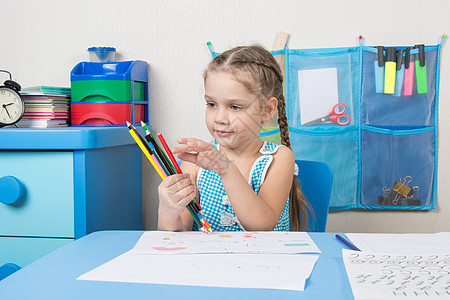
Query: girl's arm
255	212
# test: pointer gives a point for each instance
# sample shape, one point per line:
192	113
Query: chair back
315	179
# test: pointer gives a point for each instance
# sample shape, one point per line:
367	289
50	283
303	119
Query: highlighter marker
390	68
400	73
409	72
379	70
421	70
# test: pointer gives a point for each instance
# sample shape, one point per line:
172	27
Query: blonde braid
298	203
282	122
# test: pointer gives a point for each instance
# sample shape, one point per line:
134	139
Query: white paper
396	276
188	242
318	93
402	243
264	271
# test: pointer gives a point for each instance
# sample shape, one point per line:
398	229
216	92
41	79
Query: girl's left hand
202	154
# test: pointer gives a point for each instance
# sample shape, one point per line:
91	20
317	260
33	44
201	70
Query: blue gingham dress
217	208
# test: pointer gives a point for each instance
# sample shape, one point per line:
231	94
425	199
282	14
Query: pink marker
409	72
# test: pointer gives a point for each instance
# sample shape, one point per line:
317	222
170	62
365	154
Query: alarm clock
12	106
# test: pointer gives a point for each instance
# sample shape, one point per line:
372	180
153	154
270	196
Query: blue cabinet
59	184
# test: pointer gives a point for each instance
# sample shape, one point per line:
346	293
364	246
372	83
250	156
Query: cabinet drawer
46	208
22	251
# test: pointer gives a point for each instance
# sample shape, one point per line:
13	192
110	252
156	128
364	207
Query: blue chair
315	179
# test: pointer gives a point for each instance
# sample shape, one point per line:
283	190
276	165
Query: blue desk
54	276
65	183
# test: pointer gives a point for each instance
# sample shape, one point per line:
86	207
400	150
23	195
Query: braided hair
256	68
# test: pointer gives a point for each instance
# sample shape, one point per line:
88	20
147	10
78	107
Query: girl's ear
269	109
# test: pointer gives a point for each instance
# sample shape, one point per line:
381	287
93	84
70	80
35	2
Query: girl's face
233	114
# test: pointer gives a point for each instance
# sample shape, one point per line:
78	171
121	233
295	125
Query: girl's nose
222	117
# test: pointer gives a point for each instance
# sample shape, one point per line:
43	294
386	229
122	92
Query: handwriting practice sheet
397	276
167	242
402	243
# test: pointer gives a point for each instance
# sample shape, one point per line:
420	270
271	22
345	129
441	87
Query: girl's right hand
175	193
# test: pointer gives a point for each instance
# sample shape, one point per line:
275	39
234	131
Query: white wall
43	40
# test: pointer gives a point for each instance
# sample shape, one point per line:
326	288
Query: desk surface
54	276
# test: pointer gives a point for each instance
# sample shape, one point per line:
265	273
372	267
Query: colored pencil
151	150
175	164
172	167
146	149
158	164
174	161
160	154
149	133
159	160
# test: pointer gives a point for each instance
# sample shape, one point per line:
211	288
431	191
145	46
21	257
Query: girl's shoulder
276	150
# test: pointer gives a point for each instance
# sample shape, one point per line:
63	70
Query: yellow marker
390	68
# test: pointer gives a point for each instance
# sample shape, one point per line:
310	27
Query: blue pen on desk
347	243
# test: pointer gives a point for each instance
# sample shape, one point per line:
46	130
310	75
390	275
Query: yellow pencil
145	150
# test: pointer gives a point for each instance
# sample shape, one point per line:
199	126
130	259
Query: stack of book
45	106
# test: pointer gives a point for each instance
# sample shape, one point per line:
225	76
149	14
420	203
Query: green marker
421	70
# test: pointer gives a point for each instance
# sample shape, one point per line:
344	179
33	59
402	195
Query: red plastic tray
106	113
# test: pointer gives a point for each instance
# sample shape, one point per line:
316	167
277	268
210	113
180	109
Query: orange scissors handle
340	119
336	116
338	109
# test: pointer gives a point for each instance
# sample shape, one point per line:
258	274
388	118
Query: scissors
336	116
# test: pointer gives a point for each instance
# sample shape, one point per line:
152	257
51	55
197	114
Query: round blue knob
8	269
11	190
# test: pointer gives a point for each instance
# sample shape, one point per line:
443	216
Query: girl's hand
175	193
202	154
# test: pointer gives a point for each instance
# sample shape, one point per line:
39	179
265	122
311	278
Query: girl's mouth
223	133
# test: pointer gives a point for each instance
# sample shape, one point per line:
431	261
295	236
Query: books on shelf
47	90
45	106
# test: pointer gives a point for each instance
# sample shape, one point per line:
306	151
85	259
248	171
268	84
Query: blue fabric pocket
380	109
338	147
346	62
398	168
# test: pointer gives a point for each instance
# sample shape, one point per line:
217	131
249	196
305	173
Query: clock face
11	106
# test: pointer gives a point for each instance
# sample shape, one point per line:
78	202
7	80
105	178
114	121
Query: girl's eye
235	107
210	104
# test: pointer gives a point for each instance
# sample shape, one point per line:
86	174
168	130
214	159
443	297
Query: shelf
65	137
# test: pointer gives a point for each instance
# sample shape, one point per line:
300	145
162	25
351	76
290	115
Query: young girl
243	182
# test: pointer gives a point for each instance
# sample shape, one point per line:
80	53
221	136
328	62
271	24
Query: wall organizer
385	156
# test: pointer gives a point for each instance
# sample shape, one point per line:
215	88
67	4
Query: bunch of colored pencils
165	164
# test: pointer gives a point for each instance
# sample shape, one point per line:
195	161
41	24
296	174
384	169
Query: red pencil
174	162
169	153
